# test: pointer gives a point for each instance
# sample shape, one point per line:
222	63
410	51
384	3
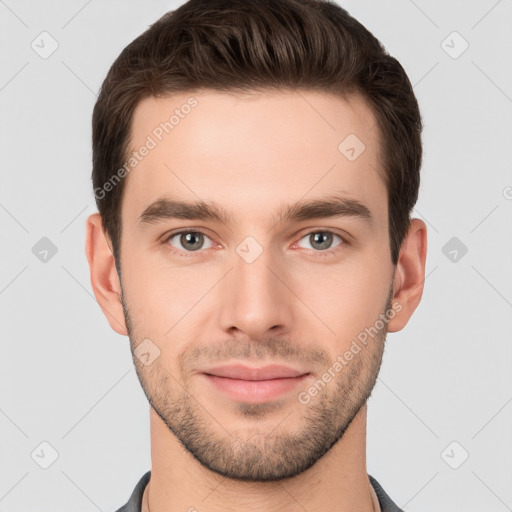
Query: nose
255	297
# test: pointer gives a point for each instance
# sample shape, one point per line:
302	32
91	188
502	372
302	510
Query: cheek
349	297
162	297
148	292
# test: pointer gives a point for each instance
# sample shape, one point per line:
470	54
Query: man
255	165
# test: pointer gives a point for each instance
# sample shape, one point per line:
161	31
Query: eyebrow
166	208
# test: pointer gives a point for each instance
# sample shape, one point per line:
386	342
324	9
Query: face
287	263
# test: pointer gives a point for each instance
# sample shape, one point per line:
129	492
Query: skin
253	154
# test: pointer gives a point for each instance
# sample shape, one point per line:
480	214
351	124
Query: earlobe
409	275
103	274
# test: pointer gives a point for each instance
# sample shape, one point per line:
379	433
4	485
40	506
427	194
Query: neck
179	482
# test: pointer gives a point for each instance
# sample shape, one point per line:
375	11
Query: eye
191	241
321	240
186	242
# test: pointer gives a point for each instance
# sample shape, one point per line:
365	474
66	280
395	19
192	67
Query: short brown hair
250	45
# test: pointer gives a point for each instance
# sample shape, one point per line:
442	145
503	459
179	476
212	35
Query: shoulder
134	503
386	503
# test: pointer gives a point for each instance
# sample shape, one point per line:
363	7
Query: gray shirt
135	501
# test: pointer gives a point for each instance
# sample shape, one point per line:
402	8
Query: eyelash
189	254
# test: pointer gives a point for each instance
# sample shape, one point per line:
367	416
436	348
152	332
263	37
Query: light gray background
68	379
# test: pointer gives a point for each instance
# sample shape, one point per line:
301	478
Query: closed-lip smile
254	385
242	372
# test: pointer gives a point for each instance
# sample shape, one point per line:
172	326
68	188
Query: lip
241	372
254	385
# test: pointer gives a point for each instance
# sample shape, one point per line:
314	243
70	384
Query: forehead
253	152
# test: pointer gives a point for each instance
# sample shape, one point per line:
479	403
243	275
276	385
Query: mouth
254	385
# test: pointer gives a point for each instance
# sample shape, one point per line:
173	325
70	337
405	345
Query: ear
409	275
104	279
